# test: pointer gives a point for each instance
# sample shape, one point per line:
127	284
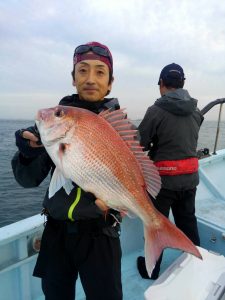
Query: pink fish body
101	154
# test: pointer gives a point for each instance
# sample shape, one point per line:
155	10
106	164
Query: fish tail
166	235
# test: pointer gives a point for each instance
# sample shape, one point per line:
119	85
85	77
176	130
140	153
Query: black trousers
182	204
66	252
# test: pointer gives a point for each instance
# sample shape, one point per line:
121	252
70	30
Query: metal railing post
218	129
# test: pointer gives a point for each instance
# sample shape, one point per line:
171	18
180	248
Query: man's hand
32	139
28	142
101	205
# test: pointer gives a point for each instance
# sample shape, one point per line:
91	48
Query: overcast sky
38	38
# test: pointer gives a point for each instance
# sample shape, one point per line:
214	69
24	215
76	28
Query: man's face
92	80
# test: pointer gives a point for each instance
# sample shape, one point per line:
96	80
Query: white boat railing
18	252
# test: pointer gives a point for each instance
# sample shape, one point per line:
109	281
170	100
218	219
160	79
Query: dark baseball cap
172	72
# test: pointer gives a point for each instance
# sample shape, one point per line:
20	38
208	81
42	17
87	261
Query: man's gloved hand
28	142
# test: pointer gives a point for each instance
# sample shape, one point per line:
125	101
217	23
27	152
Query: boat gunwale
21	228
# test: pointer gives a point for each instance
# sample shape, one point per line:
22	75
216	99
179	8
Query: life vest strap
177	167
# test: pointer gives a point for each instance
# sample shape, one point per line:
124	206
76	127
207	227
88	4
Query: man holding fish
96	163
78	236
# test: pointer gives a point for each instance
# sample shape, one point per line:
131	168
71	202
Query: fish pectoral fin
68	186
58	180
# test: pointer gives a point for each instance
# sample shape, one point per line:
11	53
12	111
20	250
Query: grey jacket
169	131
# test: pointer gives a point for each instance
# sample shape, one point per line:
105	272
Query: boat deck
133	285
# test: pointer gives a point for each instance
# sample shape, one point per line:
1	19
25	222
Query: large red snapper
101	154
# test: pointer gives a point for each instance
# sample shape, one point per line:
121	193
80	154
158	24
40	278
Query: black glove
113	217
24	144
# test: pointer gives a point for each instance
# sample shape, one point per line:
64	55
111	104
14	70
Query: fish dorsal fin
128	132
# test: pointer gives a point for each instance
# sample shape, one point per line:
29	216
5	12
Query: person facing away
169	131
79	238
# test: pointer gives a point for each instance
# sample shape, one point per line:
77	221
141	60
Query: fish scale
118	161
93	174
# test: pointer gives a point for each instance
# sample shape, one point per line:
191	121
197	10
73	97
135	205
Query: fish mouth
38	117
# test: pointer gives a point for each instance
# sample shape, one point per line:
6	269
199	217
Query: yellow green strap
73	205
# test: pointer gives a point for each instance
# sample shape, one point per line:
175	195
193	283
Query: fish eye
59	113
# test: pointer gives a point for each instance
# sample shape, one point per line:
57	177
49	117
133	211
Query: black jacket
169	131
30	172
